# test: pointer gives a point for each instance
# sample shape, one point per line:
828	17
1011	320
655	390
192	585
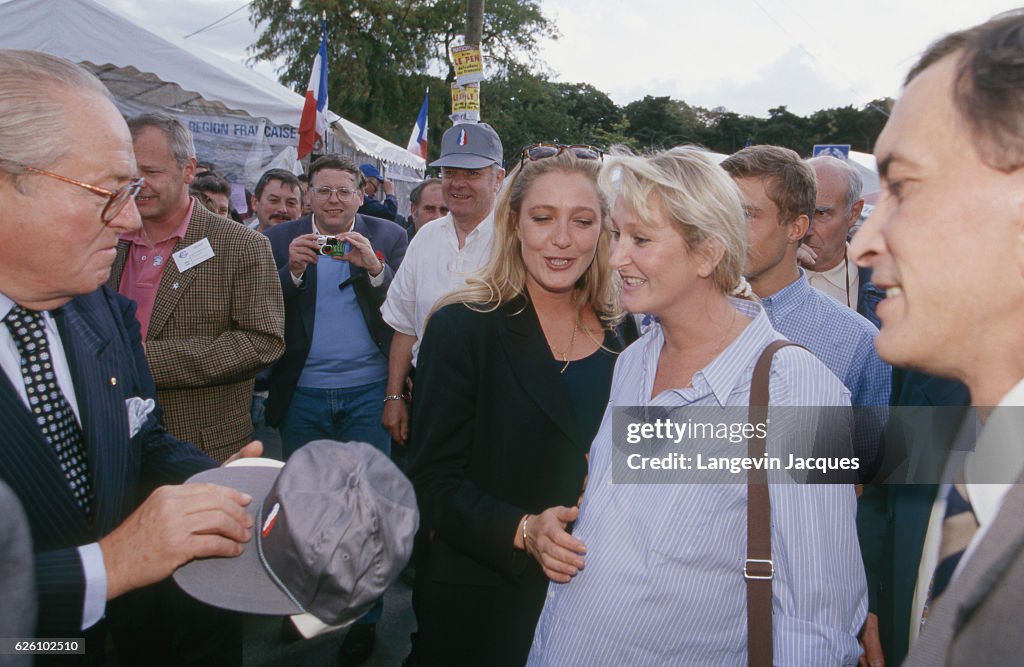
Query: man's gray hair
854	181
33	86
178	135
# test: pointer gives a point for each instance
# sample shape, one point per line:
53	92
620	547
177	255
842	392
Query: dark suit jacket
386	238
101	339
213	328
496	438
868	296
976	621
892	519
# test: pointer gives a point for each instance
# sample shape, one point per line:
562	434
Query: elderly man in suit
836	211
946	243
82	441
207	295
330	382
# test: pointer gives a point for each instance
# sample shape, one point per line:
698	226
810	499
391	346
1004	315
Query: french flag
418	138
314	113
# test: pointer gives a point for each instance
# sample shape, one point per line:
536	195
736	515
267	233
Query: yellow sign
466	102
469	65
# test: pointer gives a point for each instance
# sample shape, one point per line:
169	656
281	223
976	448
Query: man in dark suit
82	442
330	382
945	242
892	517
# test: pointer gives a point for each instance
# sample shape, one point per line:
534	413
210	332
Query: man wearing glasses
208	300
335	267
82	439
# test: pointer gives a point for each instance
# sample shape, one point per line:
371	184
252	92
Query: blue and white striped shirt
663	581
841	338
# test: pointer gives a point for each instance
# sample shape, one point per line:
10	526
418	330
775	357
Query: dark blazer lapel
174	283
99	391
307	295
359	226
530	359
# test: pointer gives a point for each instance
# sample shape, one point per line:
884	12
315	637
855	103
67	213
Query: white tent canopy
144	70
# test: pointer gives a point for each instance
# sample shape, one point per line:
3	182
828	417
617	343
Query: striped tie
49	407
958	528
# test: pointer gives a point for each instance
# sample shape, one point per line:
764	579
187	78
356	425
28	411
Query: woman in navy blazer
513	379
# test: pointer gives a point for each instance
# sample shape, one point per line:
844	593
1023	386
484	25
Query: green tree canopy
381	51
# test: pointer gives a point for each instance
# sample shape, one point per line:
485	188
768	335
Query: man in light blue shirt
779	192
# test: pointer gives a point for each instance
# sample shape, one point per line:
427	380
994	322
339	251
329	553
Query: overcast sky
745	55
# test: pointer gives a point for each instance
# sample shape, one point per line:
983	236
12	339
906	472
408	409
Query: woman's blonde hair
696	196
504	277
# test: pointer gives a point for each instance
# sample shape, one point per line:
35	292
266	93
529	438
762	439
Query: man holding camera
330	381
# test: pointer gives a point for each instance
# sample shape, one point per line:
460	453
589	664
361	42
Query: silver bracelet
394	397
525	519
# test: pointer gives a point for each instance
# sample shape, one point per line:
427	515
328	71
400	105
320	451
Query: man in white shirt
442	254
946	242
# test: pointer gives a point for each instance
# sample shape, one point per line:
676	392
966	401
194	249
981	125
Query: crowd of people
494	342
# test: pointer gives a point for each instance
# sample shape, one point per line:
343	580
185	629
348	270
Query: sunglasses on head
540	151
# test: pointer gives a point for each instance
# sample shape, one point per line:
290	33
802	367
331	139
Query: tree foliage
383	54
380	52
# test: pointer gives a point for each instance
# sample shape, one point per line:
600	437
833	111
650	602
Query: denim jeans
344	415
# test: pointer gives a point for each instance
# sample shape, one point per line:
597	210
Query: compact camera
332	246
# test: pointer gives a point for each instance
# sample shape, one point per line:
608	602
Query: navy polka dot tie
49	407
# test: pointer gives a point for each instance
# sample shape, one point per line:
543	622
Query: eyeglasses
539	151
116	199
325	192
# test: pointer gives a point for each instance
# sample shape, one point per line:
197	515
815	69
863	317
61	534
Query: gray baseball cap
333	529
469	146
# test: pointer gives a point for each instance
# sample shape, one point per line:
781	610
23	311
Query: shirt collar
483	231
731	366
176	233
7	304
789	297
839	274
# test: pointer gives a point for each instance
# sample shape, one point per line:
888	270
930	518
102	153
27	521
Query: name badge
195	254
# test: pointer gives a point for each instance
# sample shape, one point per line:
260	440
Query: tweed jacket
213	328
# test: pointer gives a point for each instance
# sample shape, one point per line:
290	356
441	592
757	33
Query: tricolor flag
418	138
314	112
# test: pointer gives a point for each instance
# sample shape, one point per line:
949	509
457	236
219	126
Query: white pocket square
138	410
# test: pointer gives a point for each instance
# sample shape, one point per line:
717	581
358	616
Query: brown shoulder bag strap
759	569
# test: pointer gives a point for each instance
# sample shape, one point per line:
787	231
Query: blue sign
838	151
